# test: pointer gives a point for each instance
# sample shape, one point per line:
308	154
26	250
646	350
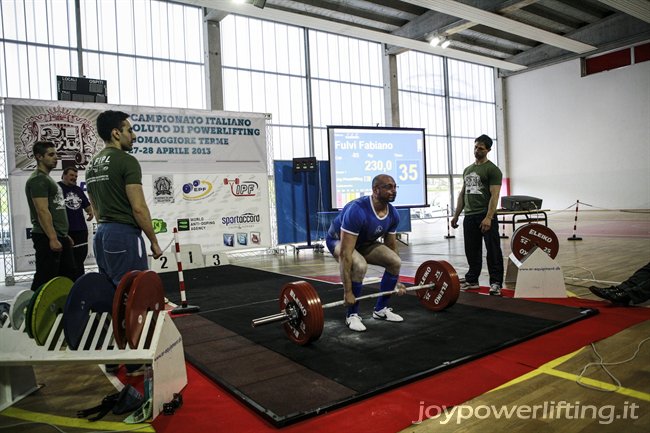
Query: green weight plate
29	310
50	302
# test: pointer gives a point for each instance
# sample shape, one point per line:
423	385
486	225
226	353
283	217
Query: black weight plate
92	292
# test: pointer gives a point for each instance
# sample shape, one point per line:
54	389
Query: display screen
358	154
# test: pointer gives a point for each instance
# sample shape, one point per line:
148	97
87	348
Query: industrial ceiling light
445	44
435	41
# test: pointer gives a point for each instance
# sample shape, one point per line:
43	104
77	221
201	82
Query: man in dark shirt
76	203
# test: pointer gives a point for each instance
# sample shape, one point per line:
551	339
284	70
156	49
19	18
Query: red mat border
210	408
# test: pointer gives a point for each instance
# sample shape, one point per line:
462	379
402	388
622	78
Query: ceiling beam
637	8
490	19
349	30
614	31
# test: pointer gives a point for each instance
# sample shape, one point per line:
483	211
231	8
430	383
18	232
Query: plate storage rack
160	345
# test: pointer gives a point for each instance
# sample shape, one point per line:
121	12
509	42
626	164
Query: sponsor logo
229	239
159	226
198	189
183	224
239	188
242	238
163	190
245	218
255	237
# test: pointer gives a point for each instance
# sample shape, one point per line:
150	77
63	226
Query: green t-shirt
477	180
40	185
107	175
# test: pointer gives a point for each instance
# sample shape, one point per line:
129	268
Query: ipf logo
247	188
197	189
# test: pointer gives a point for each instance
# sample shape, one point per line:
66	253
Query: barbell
301	310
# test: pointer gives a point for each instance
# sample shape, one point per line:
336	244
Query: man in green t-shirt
52	244
114	184
479	198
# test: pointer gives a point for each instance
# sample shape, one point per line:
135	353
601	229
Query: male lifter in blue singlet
353	239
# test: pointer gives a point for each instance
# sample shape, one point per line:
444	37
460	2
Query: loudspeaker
304	164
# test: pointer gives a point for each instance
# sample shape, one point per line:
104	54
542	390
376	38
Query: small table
521	216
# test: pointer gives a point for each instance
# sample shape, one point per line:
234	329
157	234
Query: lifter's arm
143	216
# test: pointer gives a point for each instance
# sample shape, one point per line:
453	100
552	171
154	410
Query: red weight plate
447	285
50	302
119	307
308	326
530	235
147	294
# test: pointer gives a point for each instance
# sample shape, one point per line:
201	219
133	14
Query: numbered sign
191	258
215	259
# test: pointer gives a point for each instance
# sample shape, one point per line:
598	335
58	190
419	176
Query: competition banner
204	172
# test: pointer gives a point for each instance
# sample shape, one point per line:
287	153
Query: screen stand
305	166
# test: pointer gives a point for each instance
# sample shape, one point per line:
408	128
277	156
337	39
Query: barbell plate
19	308
119	308
309	325
147	294
4	312
447	285
30	309
530	235
92	292
49	303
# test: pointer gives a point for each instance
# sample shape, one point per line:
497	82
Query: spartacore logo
238	188
197	189
240	219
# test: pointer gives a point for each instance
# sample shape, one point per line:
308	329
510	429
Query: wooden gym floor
614	244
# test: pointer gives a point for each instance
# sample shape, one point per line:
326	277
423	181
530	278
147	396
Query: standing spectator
479	198
114	183
76	203
52	244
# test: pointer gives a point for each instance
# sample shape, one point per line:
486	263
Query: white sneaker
495	289
354	323
468	286
387	315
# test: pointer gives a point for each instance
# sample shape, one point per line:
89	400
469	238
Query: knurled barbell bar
301	310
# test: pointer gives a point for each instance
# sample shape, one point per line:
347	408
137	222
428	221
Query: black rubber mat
285	382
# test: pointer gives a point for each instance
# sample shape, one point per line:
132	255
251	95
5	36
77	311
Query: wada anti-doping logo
238	188
198	189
